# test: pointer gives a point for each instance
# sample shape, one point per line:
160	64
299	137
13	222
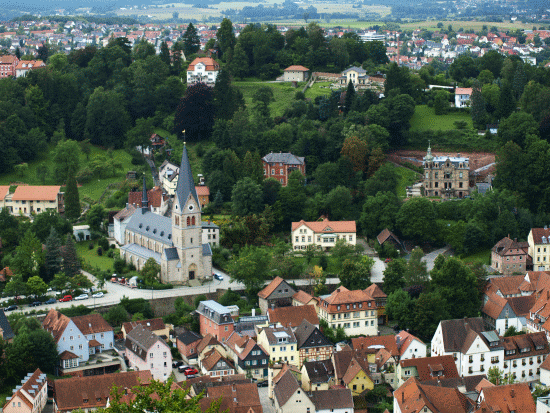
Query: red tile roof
344	296
268	290
8	59
432	368
326	226
91	324
154	197
293	316
24	64
4	190
538	233
463	91
36	193
302	297
209	63
202	190
296	68
151	325
31	387
510	398
375	291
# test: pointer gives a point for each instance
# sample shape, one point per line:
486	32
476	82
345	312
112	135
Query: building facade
24	66
296	73
8	63
175	243
147	351
215	319
278	293
322	234
29	397
462	97
446	176
281	345
356	75
28	199
509	256
280	165
539	248
203	69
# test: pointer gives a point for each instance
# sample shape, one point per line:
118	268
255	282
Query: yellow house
539	248
280	343
351	369
357	379
29	199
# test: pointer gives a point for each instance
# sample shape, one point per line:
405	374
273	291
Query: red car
66	298
190	371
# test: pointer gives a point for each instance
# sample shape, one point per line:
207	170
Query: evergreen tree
72	199
226	36
195	113
177	49
506	102
71	263
477	104
350	97
52	255
218	200
191	41
226	98
253	167
520	80
239	66
165	53
18	52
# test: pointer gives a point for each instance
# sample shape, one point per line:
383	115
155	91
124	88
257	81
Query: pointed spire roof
186	184
429	157
144	199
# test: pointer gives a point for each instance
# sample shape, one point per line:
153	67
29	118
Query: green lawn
318	89
283	93
424	118
407	177
484	256
104	263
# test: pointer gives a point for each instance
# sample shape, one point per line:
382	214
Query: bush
137	305
119	266
300	95
99	251
110	253
91	246
229	297
198	299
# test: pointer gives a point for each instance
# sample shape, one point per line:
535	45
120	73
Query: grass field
90	256
407	177
283	93
484	256
424	118
318	89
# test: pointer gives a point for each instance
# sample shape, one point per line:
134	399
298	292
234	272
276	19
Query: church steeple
186	184
144	199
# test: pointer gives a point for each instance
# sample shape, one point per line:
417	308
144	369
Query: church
175	243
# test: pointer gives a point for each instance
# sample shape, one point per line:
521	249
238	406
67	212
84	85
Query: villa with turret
446	176
174	242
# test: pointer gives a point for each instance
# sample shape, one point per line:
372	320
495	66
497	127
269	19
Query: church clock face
191	207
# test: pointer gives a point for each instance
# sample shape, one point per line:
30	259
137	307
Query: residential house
356	75
156	325
333	401
147	351
92	392
187	343
78	337
317	375
247	356
296	73
168	175
501	313
545	372
462	97
207	343
510	398
388	237
214	363
8	63
474	349
352	370
322	234
539	248
427	368
380	297
203	69
278	293
446	176
28	199
280	165
5	273
402	346
413	397
82	232
470	386
510	256
24	66
157	201
292	316
524	355
6	332
312	344
543	404
281	345
30	396
120	220
354	311
289	396
233	397
302	298
215	319
539	313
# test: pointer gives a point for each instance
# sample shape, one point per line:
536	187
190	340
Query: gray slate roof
320	371
141	252
332	399
152	225
287	158
5	326
143	340
308	335
188	337
357	69
186	184
215	312
171	254
206	250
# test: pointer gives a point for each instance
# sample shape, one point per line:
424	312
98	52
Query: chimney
512	393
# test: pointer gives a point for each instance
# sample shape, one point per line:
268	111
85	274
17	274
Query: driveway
430	257
267	405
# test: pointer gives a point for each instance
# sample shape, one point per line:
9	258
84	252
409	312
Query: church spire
144	200
186	184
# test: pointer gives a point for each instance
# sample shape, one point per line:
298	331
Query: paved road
430	257
267	405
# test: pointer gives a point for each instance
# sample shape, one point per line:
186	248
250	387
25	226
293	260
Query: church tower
187	226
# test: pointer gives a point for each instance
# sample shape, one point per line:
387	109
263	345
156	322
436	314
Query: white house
295	73
288	395
524	355
203	69
545	372
82	232
322	234
462	96
147	351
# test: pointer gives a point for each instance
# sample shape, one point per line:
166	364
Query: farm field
424	118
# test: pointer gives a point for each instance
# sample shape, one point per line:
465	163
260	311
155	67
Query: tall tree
52	254
350	97
247	197
165	53
393	275
239	65
29	256
195	113
191	41
226	36
227	99
417	219
253	167
72	198
417	272
150	272
355	274
71	263
356	150
250	267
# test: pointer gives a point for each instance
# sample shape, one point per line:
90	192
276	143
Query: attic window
169	236
161	233
140	225
147	228
155	231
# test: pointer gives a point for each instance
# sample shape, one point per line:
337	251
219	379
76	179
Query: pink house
147	351
31	396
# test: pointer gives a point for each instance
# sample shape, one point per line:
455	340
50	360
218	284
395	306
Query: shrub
103	243
198	299
91	246
99	251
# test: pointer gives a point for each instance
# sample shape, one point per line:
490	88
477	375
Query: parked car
51	301
218	277
387	260
182	368
66	298
98	295
11	308
263	383
177	363
191	376
190	372
35	304
82	297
